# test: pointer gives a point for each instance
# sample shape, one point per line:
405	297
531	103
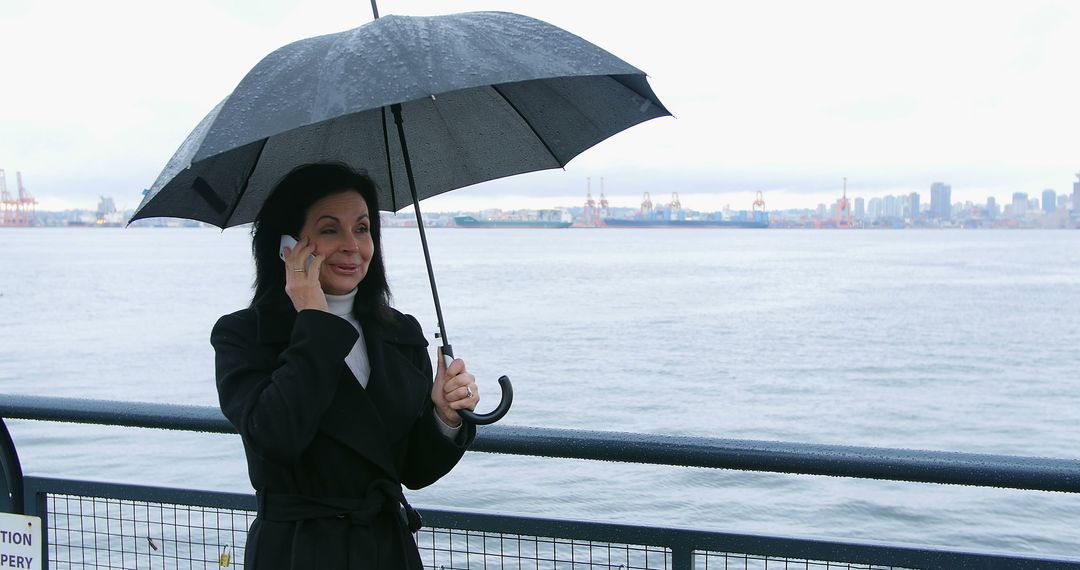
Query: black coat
326	456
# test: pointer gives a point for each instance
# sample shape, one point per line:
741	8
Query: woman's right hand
302	285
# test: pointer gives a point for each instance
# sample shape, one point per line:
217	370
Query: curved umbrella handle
499	411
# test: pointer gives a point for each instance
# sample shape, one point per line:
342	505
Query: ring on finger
468	392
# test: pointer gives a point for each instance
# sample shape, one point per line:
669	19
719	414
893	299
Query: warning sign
20	542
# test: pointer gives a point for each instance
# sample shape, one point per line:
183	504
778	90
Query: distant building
1049	201
891	207
1076	195
991	208
874	208
860	209
1019	204
940	201
913	198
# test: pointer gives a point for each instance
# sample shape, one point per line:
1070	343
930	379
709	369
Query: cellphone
286	241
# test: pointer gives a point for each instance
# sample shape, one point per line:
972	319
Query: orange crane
590	216
843	210
17	211
604	209
646	205
759	202
674	206
6	202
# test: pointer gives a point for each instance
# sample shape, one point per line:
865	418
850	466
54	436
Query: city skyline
864	207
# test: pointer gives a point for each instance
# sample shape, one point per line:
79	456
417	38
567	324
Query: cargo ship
471	222
662	223
539	219
672	215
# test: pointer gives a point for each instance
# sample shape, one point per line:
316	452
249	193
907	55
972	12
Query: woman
330	388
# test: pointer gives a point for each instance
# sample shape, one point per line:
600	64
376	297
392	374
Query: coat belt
382	497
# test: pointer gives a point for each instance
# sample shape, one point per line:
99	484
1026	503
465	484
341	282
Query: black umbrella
478	96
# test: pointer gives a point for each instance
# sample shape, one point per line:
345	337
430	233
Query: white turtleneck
357	360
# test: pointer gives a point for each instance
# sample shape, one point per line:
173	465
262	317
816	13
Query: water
946	340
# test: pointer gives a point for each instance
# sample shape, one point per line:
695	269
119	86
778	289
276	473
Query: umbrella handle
499	411
504	402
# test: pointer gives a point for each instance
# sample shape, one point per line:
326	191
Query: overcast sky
783	97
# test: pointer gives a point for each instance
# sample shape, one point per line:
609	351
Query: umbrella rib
529	124
389	166
243	188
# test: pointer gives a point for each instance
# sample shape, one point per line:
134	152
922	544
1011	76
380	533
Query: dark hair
284	212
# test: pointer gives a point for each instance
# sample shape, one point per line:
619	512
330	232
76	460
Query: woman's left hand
454	389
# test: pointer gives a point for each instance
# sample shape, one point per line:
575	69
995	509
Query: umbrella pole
447	350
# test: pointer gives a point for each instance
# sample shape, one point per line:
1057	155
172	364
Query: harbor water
944	340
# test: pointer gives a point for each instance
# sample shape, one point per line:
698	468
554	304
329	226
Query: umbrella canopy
482	95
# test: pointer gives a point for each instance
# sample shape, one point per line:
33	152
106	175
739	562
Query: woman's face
340	227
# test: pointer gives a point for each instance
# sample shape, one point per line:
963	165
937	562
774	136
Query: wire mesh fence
733	561
93	532
87	532
450	549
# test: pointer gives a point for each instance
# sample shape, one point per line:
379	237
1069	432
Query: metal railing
92	524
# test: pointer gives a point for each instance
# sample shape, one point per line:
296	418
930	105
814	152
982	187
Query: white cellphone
286	241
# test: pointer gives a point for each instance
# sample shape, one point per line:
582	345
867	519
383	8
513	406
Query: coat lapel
374	420
397	387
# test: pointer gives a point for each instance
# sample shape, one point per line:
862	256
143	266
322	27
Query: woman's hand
454	389
302	285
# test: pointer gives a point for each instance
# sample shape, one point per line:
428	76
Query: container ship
664	223
672	215
538	219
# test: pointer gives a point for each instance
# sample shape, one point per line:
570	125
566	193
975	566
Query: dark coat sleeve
431	454
277	401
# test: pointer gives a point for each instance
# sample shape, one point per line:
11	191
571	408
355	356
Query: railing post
11	484
41	509
682	557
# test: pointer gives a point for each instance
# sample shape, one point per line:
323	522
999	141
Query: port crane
759	202
675	205
590	216
605	211
843	210
16	211
646	205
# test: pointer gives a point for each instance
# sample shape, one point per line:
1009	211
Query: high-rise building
940	201
1076	195
1049	201
891	207
913	199
991	208
860	208
1019	204
874	208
